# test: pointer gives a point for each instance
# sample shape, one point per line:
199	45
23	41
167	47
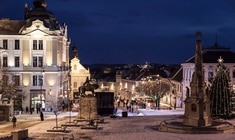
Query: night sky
138	31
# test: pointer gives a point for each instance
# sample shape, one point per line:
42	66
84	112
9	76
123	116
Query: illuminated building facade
78	74
210	61
36	56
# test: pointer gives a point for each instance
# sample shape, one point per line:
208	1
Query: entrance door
37	101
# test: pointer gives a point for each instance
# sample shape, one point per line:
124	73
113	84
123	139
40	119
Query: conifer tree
220	93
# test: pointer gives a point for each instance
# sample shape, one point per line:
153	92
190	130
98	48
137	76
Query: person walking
14	121
41	116
27	109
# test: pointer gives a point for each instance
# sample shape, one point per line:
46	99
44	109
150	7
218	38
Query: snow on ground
139	125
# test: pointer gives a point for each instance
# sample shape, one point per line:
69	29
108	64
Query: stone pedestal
19	134
5	112
88	108
197	114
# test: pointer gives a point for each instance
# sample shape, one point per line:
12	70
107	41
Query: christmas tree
220	93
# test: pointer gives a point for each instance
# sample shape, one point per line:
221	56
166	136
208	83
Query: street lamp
1	67
158	82
41	84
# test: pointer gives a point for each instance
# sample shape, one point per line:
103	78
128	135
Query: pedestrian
115	111
31	110
63	106
21	109
37	107
14	121
27	109
41	116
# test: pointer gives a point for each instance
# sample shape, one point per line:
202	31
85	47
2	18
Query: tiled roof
10	27
212	54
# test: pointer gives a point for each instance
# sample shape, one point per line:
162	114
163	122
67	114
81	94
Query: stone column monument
197	104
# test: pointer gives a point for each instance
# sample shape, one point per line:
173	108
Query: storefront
37	100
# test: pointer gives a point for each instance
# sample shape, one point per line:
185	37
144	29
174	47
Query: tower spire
26	10
74	51
40	3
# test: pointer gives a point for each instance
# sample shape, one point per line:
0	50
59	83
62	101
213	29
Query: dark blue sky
138	31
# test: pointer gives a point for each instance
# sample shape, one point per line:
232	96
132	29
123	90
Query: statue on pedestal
87	86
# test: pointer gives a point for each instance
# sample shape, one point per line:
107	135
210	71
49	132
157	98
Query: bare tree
8	91
154	89
52	102
7	88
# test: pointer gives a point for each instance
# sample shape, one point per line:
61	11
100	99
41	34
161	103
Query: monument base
88	108
177	126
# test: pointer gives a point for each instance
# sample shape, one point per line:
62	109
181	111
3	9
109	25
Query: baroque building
210	61
78	74
35	57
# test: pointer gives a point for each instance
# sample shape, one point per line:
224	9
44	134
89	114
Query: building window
40	61
75	85
35	80
193	108
210	76
34	44
5	61
17	80
40	77
17	44
233	88
37	61
5	80
17	61
40	45
37	44
5	44
233	73
75	67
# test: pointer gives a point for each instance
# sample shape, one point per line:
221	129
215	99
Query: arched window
75	67
75	85
193	108
233	73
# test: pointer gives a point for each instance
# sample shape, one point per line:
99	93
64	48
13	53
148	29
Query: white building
78	74
36	56
210	62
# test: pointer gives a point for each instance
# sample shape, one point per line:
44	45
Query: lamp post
70	104
142	87
1	67
41	84
158	82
